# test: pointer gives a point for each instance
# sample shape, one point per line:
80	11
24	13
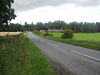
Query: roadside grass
82	43
19	56
91	40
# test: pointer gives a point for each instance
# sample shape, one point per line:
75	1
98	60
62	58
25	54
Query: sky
51	10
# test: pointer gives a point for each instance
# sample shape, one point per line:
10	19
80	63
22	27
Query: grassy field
19	56
83	36
87	36
88	40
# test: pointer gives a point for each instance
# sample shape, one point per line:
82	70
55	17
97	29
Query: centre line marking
85	55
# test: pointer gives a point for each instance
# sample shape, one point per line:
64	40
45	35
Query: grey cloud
29	4
87	2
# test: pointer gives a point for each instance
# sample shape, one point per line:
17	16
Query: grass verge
19	56
83	43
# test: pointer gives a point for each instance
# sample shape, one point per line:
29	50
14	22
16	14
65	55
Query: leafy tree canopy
6	12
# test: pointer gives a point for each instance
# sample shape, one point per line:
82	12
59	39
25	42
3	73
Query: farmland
9	33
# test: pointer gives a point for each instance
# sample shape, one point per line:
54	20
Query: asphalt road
78	60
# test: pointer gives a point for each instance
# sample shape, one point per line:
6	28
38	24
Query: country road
77	60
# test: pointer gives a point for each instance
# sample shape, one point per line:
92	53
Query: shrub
51	35
37	32
46	34
67	34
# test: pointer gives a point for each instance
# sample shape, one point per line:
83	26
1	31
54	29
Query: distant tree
83	27
6	13
59	24
98	26
32	23
16	27
56	24
74	26
26	26
39	26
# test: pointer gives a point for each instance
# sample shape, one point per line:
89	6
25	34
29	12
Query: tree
16	27
26	26
98	26
68	33
39	26
6	13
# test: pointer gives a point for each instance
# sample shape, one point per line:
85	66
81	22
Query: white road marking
75	52
85	55
53	44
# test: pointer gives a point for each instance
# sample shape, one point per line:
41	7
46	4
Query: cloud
67	13
20	5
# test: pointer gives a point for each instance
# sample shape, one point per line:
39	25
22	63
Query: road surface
69	58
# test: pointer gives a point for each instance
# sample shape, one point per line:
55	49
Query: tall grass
19	56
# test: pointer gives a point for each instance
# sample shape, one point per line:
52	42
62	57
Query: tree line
77	27
84	27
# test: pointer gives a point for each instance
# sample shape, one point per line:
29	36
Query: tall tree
6	13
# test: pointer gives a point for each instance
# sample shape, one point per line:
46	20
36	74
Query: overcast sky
51	10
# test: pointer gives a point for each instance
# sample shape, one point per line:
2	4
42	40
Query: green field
19	56
88	40
83	36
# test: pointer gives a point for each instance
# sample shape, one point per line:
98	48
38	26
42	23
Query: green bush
51	35
37	32
67	34
46	34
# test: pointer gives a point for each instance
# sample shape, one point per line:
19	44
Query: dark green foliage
19	27
6	13
39	26
51	35
98	26
46	34
82	27
38	32
16	27
67	34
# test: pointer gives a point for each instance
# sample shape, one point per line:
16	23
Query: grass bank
88	43
19	56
